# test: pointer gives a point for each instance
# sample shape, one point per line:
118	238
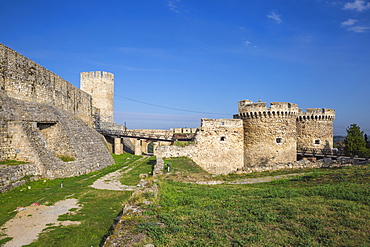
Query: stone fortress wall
217	148
261	138
23	79
42	119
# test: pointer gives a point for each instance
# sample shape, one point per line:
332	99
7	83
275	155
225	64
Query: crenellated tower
315	128
269	132
100	85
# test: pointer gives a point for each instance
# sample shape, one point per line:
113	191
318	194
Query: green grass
182	168
183	143
326	207
145	166
12	162
99	207
320	207
66	158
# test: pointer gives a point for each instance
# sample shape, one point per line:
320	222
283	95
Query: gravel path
111	181
30	221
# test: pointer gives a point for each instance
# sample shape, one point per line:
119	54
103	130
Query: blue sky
203	56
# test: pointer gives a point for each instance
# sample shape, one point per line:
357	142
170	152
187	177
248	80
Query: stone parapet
321	114
248	109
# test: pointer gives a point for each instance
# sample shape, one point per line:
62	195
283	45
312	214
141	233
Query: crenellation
315	128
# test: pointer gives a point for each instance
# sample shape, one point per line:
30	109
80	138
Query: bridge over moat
138	135
139	140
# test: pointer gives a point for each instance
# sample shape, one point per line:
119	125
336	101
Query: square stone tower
100	85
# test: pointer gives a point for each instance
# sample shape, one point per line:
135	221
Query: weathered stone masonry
100	85
218	146
42	118
269	133
260	138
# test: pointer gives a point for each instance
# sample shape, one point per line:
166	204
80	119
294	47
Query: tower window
317	141
223	138
279	140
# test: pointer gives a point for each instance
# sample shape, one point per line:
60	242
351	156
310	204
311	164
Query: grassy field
99	207
321	207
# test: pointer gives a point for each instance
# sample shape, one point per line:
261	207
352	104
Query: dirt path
111	181
30	221
251	180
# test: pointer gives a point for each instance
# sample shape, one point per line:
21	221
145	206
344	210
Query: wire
171	108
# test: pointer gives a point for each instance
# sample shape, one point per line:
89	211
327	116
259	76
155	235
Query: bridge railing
332	152
133	134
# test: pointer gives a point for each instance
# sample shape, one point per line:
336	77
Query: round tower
100	85
315	128
269	133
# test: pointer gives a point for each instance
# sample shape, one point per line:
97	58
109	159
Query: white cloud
173	5
359	29
358	5
349	22
350	25
249	44
275	17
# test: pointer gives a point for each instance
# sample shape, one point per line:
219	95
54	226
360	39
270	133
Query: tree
355	143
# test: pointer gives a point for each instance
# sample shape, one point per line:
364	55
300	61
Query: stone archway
150	147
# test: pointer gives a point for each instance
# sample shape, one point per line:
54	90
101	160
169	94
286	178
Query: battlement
316	114
248	109
216	123
96	74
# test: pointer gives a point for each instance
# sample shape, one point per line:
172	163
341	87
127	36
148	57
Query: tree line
356	142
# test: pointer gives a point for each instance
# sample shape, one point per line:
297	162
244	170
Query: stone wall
100	85
218	146
315	128
23	79
41	134
43	121
13	176
269	132
259	138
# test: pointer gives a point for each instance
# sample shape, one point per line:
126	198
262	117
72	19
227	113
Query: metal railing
332	152
139	135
